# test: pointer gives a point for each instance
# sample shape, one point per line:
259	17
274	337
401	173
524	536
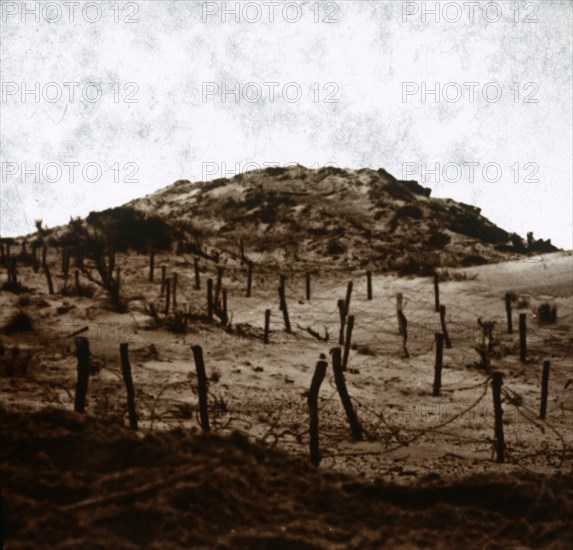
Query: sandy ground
260	390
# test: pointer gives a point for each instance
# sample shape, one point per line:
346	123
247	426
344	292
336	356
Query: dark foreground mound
75	482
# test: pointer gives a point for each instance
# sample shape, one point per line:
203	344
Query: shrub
546	313
19	322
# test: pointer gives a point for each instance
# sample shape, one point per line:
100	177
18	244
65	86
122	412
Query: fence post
347	300
544	390
167	296
522	338
282	284
369	285
307	286
48	277
437	292
225	313
163	279
83	370
267	324
508	313
126	372
249	277
283	307
347	340
318	377
403	328
438	365
342	312
444	327
210	298
355	425
218	285
202	387
496	384
151	266
197	277
399	305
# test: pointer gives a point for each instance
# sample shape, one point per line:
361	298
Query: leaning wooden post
284	309
163	279
174	292
48	277
83	370
267	325
355	425
522	338
197	276
202	387
438	364
126	372
318	377
437	292
496	384
369	285
342	312
210	298
347	340
249	277
508	313
307	286
167	296
544	390
151	266
444	327
347	300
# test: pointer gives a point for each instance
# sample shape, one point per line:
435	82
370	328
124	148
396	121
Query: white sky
169	54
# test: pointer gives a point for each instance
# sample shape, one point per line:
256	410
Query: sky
107	101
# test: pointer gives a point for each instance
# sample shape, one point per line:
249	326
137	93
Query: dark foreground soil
76	482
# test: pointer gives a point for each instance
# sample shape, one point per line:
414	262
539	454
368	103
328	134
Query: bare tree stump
83	370
544	390
438	365
496	384
284	309
347	341
202	387
508	313
355	426
318	377
126	372
522	337
444	327
267	325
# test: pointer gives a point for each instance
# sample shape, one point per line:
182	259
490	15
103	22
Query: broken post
508	313
355	426
249	277
284	309
497	381
197	277
83	370
347	340
369	285
210	298
522	338
151	266
544	390
444	327
307	286
438	364
342	312
267	325
201	387
437	292
347	300
126	372
318	377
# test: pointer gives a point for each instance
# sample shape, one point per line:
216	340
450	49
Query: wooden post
444	327
508	313
438	364
307	286
403	327
126	372
197	277
522	338
369	285
399	306
267	325
163	279
225	312
210	298
496	384
342	312
437	292
249	277
318	377
35	264
355	425
544	390
167	296
282	283
347	340
44	253
218	285
83	370
202	387
174	293
151	266
77	281
347	301
284	309
48	277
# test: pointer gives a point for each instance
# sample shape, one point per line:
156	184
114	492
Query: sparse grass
451	275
